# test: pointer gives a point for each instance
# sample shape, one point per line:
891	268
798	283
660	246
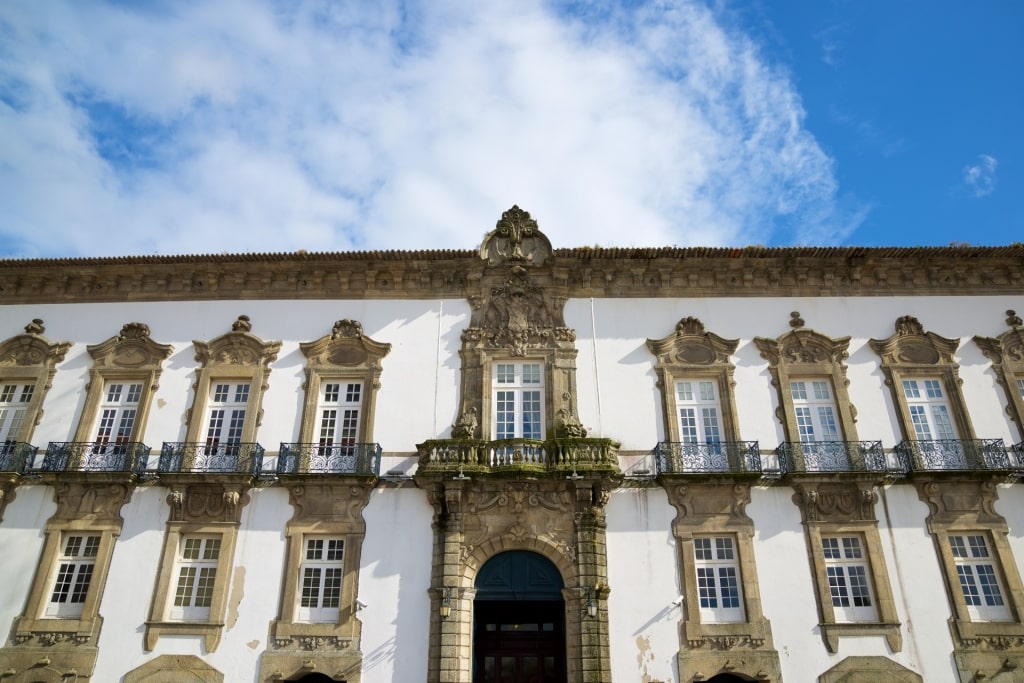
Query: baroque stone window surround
90	505
692	353
960	506
829	507
913	353
131	356
344	355
803	353
1007	355
707	649
238	356
209	505
328	509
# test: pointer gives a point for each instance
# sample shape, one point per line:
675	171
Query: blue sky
252	126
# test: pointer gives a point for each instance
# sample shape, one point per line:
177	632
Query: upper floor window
979	578
699	412
321	576
518	401
117	413
338	409
718	579
226	414
15	399
75	565
814	407
849	578
929	409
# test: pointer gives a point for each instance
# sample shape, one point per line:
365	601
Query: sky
181	127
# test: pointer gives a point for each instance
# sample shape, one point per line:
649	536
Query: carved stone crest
516	239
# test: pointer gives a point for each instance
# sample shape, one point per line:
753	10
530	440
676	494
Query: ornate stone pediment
32	348
691	345
516	239
237	347
911	345
132	349
345	347
806	347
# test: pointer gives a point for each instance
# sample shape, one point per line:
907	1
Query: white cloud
980	177
242	126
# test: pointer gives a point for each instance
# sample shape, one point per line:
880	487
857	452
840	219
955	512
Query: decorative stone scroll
1007	355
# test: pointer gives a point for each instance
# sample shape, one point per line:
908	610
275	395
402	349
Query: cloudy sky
207	127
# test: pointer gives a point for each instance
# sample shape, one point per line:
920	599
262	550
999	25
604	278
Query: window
197	574
518	401
117	414
849	581
14	400
815	411
699	412
718	579
929	409
979	579
226	416
321	575
339	414
74	573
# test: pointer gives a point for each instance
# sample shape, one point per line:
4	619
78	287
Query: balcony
88	456
312	458
833	456
509	455
727	457
954	454
182	456
16	456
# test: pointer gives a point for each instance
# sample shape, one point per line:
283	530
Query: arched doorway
519	621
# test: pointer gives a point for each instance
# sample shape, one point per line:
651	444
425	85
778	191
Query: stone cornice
579	272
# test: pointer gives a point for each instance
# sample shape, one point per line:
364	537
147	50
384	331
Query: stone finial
1013	320
347	329
134	331
242	324
690	325
36	326
516	240
908	325
795	321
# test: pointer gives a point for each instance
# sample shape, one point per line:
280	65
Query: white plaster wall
394	577
21	543
644	581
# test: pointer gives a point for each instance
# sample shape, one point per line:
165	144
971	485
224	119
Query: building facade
514	463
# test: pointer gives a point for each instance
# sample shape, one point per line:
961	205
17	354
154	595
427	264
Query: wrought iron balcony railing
16	456
954	454
731	457
832	456
551	454
313	458
187	456
88	456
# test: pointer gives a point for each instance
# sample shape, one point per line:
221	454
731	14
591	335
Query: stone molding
345	354
693	272
861	669
803	353
707	649
693	353
1007	355
130	356
31	358
981	649
912	352
174	669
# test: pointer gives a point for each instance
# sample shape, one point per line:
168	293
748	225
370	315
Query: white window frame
195	576
848	570
928	404
226	411
117	413
698	411
339	410
815	410
15	399
719	579
321	575
518	390
978	575
72	576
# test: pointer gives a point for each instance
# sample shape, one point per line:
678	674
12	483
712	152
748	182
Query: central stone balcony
558	456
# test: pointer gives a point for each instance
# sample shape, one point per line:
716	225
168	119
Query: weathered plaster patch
253	644
644	656
237	593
